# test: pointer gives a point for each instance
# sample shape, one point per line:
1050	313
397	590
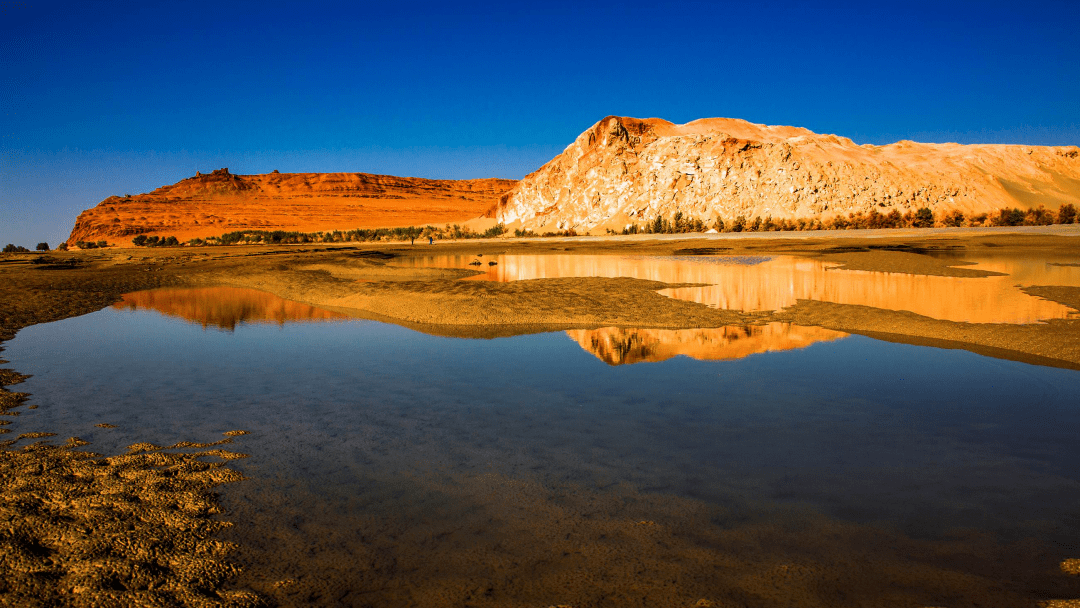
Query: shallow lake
773	282
768	465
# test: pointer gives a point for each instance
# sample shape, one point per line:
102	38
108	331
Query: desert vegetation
921	218
677	224
154	241
285	237
91	244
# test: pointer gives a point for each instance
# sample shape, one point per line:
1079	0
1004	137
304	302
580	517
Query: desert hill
220	202
627	170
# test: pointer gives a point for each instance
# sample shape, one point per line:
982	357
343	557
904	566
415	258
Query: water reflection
620	346
756	283
391	468
224	307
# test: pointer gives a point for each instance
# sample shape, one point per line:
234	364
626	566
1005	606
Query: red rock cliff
220	202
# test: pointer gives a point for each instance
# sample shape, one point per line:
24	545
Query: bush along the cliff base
677	224
155	241
284	237
922	218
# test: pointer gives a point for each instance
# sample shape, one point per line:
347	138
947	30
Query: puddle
759	283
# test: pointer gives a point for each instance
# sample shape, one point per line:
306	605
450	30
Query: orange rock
626	170
220	202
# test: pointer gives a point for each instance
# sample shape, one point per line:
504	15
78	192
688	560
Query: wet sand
53	496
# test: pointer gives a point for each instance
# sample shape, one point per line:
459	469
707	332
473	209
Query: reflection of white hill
617	346
224	307
761	284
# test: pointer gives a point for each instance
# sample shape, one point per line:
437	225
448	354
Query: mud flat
145	524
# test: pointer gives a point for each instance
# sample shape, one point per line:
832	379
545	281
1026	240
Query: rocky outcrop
625	170
219	202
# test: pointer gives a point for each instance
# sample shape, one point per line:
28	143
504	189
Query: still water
766	283
768	465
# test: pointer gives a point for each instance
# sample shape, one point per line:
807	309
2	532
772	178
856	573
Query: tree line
921	218
677	224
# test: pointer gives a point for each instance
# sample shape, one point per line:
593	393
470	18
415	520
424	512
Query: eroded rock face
626	170
219	202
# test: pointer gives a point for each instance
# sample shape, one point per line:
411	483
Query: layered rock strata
626	170
220	202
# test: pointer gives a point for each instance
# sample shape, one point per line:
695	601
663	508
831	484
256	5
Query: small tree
658	225
924	218
62	247
139	241
411	233
953	218
1038	216
1066	214
1009	217
42	246
679	223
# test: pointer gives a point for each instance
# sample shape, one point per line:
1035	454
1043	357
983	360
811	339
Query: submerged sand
145	526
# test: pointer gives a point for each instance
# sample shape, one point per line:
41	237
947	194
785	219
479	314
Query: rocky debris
134	529
624	171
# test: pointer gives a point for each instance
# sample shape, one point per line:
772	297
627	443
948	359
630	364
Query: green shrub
42	246
494	231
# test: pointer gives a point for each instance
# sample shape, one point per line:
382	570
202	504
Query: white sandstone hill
626	170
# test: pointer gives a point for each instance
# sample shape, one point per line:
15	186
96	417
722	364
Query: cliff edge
219	202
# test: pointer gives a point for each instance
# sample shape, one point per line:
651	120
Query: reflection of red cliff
224	307
617	346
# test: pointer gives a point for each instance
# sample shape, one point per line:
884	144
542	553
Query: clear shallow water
382	458
765	283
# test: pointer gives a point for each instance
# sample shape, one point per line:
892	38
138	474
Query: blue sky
115	98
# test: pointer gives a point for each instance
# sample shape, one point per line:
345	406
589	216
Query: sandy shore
140	526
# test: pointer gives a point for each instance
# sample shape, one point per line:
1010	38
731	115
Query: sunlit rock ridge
210	204
628	170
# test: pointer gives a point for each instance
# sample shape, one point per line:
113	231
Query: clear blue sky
111	98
